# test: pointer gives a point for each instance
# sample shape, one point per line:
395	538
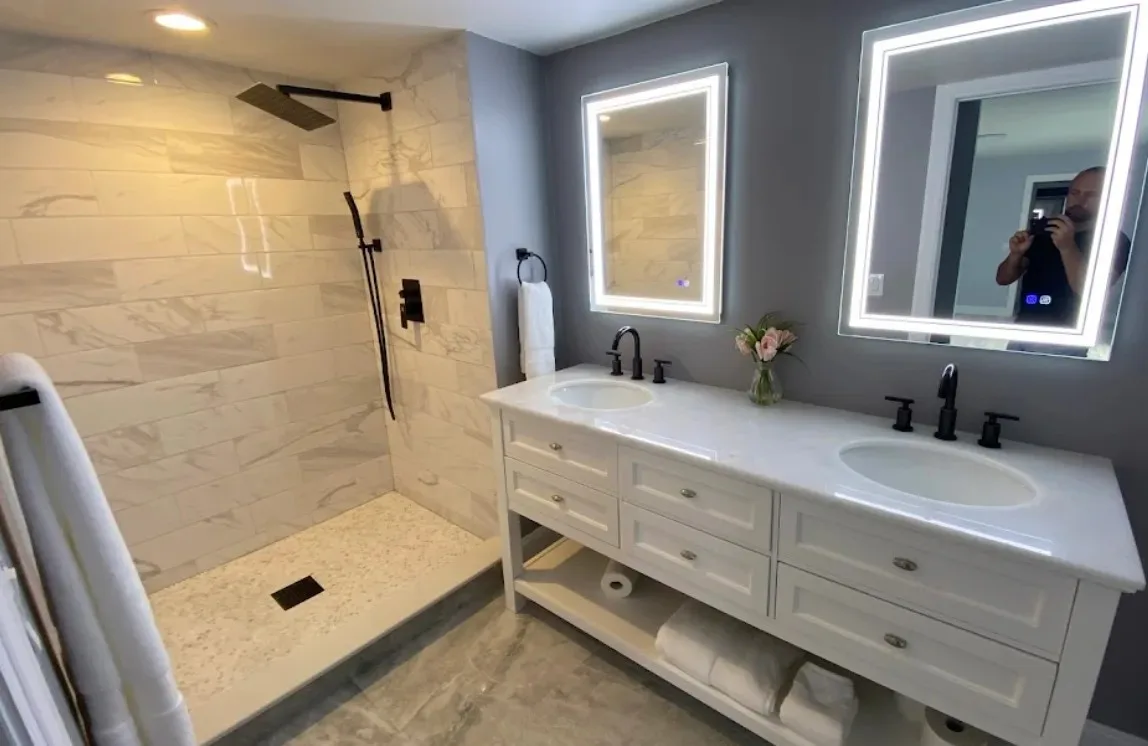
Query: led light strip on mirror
883	48
712	82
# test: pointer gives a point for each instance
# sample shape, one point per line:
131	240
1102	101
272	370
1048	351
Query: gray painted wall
901	197
995	197
506	103
793	95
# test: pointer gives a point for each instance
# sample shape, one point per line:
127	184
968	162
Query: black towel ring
523	255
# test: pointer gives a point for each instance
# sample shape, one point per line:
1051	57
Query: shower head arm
383	100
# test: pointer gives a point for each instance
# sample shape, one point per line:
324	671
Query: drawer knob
898	642
557	498
689	494
907	565
688	555
556	446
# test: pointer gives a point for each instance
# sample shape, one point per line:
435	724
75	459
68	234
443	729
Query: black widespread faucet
947	421
637	376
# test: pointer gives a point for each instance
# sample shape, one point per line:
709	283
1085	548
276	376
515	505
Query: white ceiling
335	39
677	113
1093	40
1047	121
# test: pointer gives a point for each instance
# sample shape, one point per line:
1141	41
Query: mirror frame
879	46
713	81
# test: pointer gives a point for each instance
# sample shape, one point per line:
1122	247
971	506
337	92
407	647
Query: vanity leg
512	559
509	524
1088	631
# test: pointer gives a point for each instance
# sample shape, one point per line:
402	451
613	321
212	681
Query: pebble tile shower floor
222	625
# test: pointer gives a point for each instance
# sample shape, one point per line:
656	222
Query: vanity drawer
579	456
724	507
549	499
967	675
685	556
1018	603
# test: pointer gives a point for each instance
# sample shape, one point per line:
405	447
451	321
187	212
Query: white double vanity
980	583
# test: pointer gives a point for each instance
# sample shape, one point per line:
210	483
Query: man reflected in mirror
1051	258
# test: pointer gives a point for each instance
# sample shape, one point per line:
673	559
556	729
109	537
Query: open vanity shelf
564	579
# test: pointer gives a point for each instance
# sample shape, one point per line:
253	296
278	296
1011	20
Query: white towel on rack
536	328
119	666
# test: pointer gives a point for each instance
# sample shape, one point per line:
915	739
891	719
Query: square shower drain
292	595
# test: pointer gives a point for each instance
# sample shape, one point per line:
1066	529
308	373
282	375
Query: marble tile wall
184	267
413	173
656	202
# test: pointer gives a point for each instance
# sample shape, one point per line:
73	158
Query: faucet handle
991	432
904	422
994	416
660	370
616	363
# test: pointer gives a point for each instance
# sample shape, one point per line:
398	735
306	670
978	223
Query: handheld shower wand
369	250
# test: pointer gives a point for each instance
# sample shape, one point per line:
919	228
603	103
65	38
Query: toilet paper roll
618	580
942	730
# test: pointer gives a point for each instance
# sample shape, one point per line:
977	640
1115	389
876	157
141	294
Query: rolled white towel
689	640
820	705
753	667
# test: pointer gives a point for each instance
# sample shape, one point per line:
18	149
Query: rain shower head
263	96
278	103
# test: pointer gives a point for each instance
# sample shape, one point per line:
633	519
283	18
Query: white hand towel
690	639
820	705
536	329
120	667
752	667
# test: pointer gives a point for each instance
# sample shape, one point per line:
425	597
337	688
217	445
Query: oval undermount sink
942	474
601	394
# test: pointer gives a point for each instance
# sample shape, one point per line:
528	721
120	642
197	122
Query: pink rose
741	344
767	348
786	338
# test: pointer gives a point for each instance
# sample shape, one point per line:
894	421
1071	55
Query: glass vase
766	386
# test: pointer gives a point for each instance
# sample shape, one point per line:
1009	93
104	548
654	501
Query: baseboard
1096	734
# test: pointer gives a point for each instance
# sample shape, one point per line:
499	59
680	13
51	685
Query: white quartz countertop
1077	522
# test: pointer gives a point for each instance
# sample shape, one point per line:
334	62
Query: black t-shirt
1045	297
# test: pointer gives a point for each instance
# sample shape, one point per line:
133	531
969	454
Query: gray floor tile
498	678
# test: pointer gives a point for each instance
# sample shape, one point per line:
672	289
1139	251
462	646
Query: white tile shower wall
184	267
413	173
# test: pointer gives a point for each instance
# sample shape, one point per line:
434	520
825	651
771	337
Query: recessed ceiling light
123	78
179	21
603	117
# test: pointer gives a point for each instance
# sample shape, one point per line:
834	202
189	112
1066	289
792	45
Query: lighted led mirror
655	195
998	173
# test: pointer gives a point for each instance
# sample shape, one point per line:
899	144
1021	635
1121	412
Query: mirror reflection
992	157
653	173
